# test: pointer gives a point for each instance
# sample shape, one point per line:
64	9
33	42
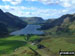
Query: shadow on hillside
10	45
3	36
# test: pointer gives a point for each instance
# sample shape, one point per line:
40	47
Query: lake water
29	29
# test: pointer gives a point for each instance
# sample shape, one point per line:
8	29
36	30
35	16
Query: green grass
9	44
14	38
34	38
54	44
63	43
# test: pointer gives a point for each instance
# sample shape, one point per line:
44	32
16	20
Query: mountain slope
63	20
3	29
64	24
11	22
33	20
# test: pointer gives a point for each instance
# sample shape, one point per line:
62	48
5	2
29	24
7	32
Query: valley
33	36
17	46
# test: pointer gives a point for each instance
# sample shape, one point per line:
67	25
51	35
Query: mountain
10	22
48	24
33	20
49	20
3	29
63	20
63	24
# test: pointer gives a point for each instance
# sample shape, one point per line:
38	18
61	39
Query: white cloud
64	3
34	11
31	0
5	7
14	2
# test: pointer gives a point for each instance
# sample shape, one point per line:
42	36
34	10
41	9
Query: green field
63	43
17	46
9	44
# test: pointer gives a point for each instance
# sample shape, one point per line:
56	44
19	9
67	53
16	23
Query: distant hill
33	20
10	22
65	23
48	24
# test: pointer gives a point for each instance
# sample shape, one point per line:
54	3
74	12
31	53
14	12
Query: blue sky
38	8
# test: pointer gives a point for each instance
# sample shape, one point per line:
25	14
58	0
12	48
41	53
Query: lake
29	29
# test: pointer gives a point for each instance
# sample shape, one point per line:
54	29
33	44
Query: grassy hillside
57	43
9	44
17	46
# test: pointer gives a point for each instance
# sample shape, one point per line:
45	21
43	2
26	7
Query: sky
38	8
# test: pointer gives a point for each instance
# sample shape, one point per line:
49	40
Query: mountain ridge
10	23
64	24
33	20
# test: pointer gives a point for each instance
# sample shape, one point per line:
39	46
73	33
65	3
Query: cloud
45	1
5	7
31	0
18	10
34	11
64	3
13	2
